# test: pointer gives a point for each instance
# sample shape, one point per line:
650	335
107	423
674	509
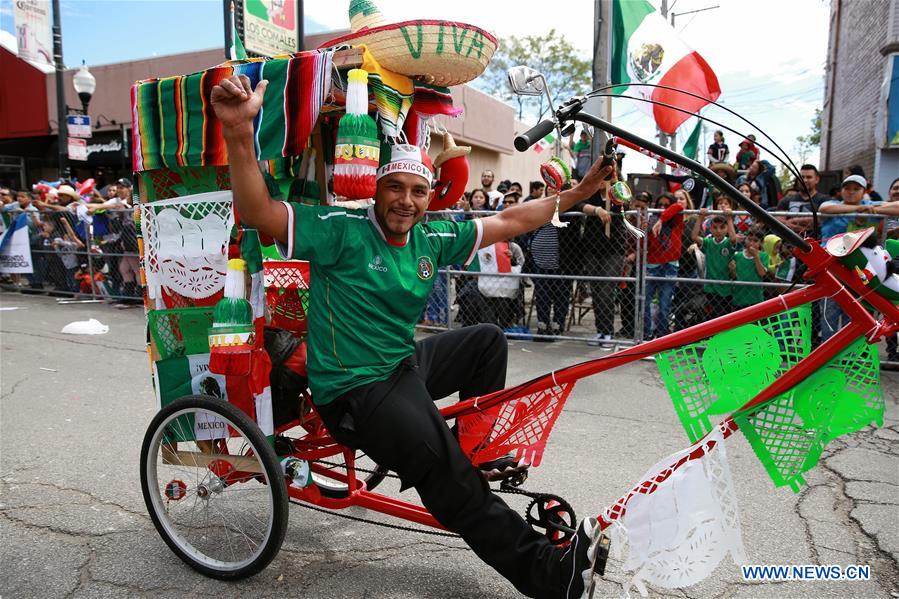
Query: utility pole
602	52
301	31
62	134
663	137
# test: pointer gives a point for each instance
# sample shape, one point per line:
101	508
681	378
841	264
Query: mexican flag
646	49
190	375
691	147
545	143
494	259
236	51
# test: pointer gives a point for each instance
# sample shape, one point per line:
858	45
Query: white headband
405	158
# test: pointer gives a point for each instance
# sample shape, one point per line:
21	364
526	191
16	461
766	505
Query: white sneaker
585	556
602	341
607	343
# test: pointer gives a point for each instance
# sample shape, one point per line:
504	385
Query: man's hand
728	213
595	180
236	104
752	252
703	213
603	214
657	228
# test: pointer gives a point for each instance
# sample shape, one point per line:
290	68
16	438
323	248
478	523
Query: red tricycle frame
830	280
539	401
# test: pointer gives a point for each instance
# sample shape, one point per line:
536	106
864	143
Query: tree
807	143
567	74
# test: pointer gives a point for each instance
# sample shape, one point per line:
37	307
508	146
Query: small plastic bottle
297	471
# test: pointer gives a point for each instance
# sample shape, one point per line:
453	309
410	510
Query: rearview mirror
526	81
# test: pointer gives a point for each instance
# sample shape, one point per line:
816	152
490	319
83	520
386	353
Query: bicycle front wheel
213	487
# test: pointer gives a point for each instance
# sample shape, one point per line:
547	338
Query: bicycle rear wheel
213	487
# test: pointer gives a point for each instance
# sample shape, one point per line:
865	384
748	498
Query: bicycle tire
272	485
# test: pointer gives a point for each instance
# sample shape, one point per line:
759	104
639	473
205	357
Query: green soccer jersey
367	294
746	295
717	258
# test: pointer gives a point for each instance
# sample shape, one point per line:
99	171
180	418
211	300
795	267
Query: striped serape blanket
175	125
393	94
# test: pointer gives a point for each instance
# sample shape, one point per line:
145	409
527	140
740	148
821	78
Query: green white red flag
646	49
545	143
189	375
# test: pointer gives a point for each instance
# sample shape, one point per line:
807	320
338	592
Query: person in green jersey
718	247
750	266
374	386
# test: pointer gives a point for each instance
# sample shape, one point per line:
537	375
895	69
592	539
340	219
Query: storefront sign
104	149
270	26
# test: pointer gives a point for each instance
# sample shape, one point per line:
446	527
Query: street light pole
62	134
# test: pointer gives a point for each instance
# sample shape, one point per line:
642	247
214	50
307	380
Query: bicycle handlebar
571	110
533	135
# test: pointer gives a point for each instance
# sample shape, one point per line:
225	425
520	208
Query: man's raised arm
236	105
520	219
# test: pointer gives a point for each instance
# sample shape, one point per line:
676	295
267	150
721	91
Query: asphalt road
74	411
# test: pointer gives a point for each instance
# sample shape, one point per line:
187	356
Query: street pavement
74	410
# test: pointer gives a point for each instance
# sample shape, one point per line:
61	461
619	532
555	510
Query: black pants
603	292
719	305
397	424
552	297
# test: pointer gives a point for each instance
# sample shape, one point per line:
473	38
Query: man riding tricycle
223	456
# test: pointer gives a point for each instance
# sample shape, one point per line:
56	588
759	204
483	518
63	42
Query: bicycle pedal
514	480
602	554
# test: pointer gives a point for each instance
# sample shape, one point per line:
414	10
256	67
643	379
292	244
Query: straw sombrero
725	171
438	52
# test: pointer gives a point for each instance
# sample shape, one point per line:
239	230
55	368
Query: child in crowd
718	151
718	248
66	248
782	264
749	266
746	155
742	222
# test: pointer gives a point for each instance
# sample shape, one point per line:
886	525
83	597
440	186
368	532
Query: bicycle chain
501	489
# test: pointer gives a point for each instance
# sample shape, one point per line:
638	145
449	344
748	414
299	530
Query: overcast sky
769	55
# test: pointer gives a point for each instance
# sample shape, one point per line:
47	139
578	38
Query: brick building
860	121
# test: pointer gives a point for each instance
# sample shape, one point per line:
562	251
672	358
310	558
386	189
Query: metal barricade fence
584	281
612	286
83	255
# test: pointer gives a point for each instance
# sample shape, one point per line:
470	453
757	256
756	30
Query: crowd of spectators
732	259
700	262
82	238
